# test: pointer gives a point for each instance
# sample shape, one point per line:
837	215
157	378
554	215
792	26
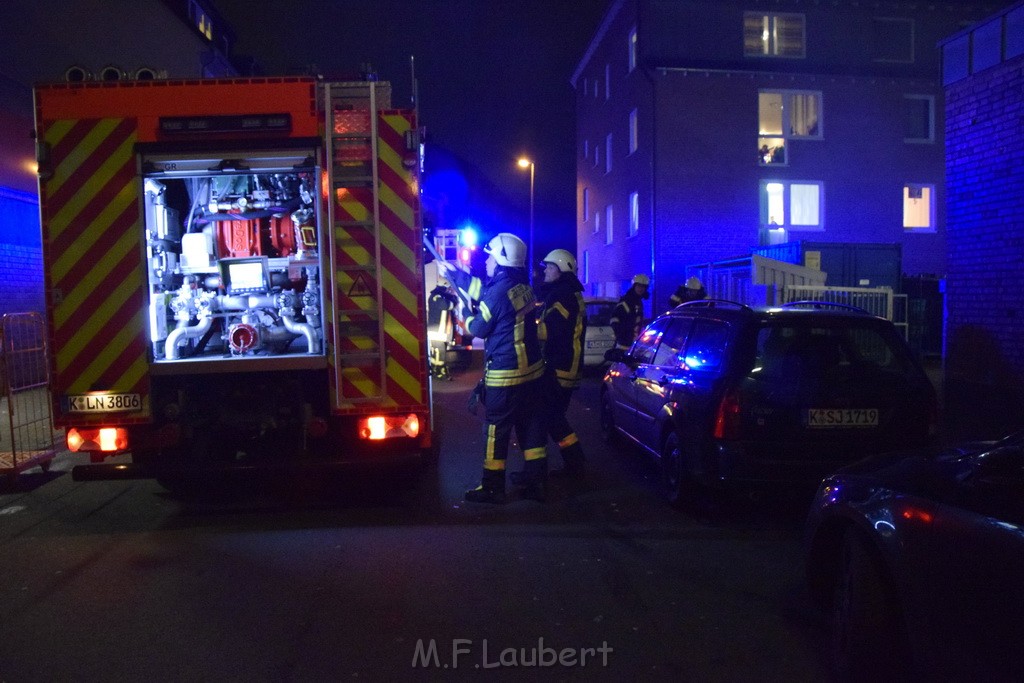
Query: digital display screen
246	277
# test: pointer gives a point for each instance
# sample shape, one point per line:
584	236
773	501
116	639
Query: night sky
493	81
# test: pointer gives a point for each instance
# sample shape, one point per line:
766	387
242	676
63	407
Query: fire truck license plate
104	403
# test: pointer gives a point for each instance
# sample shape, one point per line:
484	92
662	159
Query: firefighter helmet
507	250
641	279
562	258
693	283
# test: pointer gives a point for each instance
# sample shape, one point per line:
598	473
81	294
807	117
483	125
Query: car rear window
600	313
802	349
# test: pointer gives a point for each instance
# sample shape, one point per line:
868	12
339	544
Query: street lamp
528	163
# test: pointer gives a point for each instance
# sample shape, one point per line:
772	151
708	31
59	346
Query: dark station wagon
724	394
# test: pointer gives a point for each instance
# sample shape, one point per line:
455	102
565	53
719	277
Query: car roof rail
716	303
810	303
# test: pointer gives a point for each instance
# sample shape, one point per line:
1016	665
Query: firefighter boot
491	489
572	456
535	477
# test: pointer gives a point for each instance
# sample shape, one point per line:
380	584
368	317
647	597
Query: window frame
609	233
634	132
930	99
919	229
634	214
787	223
787	97
608	154
770	41
631	42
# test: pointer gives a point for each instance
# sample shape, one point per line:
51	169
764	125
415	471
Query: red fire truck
234	273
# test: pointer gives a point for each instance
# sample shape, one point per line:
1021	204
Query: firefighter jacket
562	326
506	318
684	294
626	318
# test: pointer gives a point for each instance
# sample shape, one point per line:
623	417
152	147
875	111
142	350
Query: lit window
919	207
634	213
633	133
792	205
773	35
919	118
608	224
597	222
892	40
608	153
632	49
785	115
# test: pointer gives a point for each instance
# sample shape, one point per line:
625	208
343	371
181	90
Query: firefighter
629	312
691	290
506	319
440	311
562	326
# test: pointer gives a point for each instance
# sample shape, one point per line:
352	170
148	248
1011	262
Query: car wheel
867	633
607	421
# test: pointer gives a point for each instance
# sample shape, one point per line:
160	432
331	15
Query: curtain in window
803	115
803	204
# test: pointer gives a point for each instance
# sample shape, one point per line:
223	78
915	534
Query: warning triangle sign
360	286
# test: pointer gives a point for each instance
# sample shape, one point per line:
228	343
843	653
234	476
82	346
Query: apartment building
708	128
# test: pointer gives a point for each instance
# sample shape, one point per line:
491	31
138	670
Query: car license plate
104	403
842	417
600	344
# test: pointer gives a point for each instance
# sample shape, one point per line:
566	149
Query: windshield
810	347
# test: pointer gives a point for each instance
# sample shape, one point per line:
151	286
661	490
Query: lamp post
528	163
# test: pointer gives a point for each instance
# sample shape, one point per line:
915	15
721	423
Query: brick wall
985	238
21	259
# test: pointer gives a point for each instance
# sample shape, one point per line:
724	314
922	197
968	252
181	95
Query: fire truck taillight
377	427
103	439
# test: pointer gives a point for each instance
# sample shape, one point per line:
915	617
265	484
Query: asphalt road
329	581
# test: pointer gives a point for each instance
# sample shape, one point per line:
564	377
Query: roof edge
609	16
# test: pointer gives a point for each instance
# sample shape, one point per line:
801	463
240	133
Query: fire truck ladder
354	215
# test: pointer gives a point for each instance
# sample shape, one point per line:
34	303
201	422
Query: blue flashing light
468	236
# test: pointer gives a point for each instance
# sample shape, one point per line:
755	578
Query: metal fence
27	437
878	301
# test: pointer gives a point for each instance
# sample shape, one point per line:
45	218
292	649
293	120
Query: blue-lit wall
21	262
985	186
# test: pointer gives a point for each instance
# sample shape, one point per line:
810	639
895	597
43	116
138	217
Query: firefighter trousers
507	408
556	424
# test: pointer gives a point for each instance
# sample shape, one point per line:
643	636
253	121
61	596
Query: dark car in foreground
919	559
724	394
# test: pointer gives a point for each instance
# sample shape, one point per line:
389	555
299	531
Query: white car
599	336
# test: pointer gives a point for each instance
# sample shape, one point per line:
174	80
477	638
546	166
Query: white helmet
562	258
641	279
693	283
507	250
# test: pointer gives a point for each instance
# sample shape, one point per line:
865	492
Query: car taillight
378	427
101	439
727	419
